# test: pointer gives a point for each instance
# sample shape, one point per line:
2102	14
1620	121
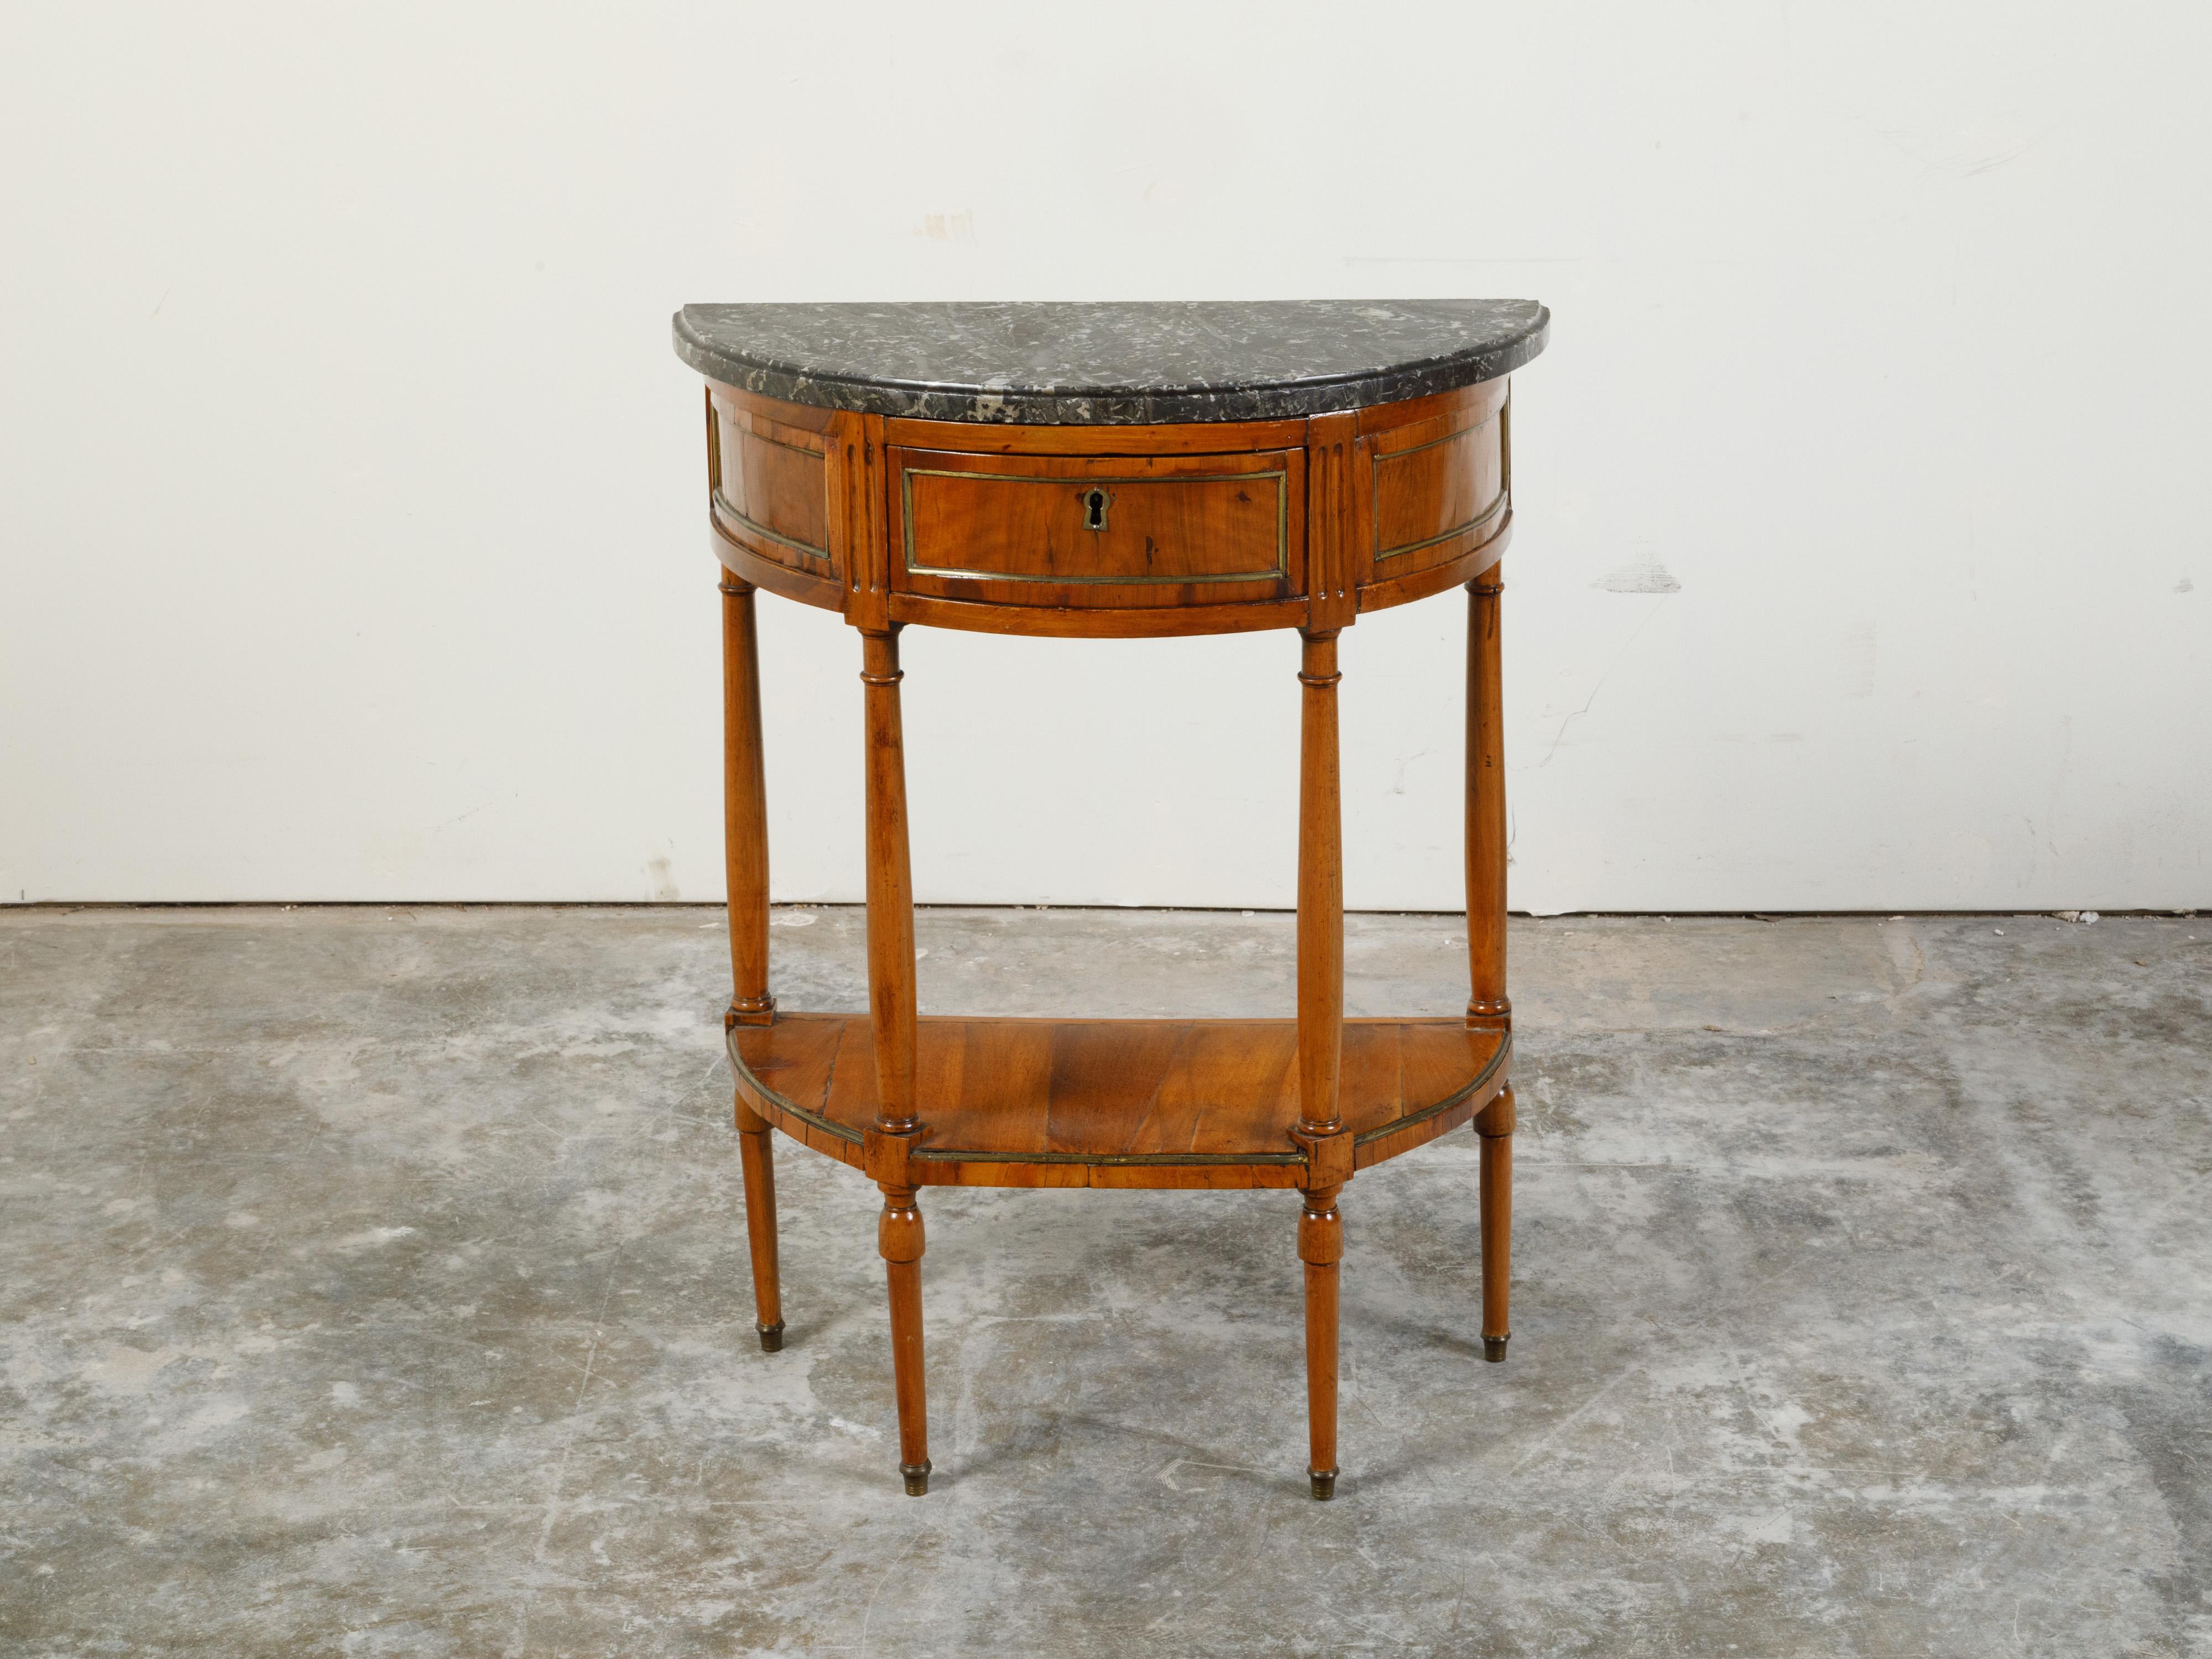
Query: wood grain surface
1115	1103
1114	531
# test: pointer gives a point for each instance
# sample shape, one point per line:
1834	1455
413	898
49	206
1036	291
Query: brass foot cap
1324	1483
1493	1348
917	1478
771	1337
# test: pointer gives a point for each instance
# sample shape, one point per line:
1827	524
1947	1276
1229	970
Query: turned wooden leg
744	810
891	1020
898	1235
1321	890
1321	1247
1494	1124
757	1157
744	851
891	889
1488	1007
1320	1129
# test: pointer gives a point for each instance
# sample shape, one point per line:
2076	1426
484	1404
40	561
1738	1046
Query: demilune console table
1112	470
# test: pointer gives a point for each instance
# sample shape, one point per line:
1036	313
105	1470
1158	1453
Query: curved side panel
770	484
1437	492
769	479
1427	491
1420	584
818	588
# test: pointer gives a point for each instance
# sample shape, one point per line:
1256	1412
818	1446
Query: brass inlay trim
813	1119
1505	438
723	508
1280	571
1374	460
1415	449
714	446
954	1155
797	449
1474	523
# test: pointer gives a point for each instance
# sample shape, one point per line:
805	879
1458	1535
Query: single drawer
1098	530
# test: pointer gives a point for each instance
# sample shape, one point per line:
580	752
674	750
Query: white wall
351	536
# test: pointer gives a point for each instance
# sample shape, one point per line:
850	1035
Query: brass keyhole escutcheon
1095	503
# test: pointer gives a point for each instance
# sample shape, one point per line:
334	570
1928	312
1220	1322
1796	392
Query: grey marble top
1110	364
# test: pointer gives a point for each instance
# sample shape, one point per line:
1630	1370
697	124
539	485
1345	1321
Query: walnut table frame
1112	470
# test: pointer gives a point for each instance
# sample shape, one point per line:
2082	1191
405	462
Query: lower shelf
1117	1103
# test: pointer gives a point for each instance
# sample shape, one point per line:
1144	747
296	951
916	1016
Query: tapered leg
744	851
890	888
757	1157
891	1021
1320	1129
1488	1007
1321	890
898	1235
1321	1247
1494	1124
745	809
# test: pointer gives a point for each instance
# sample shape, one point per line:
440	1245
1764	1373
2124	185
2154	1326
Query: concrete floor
375	1282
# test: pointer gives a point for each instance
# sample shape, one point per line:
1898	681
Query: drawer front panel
1434	495
771	488
1131	530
